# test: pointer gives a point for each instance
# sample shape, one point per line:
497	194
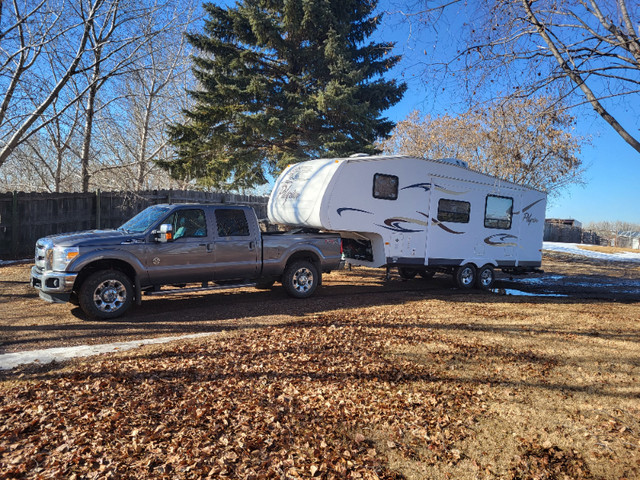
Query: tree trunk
86	143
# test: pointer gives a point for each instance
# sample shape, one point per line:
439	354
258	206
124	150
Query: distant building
569	222
628	240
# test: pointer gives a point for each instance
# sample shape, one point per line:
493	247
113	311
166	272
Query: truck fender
111	254
302	249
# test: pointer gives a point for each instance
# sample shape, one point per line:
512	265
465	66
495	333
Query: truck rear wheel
106	294
300	279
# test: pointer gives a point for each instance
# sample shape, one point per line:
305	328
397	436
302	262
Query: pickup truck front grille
44	254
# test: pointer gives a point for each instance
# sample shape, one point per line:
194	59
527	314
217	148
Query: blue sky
612	190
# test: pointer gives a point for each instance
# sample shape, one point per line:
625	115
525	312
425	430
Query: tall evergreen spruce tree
283	81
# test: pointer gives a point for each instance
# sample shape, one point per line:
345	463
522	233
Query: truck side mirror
164	234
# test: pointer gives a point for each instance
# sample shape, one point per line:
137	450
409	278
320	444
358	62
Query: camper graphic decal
427	186
393	224
441	225
444	227
500	240
527	217
345	209
528	207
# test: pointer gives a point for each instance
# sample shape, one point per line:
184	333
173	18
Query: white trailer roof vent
359	155
455	161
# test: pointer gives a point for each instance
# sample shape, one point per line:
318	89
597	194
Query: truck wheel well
309	256
99	265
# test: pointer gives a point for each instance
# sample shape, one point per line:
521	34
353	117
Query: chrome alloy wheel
467	276
486	278
302	280
109	295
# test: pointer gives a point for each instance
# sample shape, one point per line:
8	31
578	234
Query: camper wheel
465	276
486	277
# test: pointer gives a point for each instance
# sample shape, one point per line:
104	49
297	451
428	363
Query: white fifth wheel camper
422	216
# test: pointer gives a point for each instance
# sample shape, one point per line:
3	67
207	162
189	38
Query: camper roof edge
455	162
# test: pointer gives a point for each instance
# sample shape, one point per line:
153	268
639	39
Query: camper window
385	186
498	212
453	211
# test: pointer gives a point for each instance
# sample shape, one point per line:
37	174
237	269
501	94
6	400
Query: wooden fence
25	217
568	234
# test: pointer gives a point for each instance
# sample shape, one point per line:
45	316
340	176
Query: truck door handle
251	245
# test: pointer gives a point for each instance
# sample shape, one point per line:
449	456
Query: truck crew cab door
236	244
189	256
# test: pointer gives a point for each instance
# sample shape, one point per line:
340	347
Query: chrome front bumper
52	282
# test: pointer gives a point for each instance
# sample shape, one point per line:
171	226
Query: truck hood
94	238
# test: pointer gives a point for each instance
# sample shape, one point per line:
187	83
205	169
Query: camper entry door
454	210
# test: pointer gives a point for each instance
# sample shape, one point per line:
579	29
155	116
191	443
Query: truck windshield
145	219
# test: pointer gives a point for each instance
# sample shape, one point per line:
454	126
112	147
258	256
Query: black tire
465	276
407	273
485	278
300	279
106	294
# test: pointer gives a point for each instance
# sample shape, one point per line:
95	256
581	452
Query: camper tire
485	278
300	279
465	276
407	273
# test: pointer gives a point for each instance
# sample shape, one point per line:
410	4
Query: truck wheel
300	279
407	273
486	277
106	294
465	276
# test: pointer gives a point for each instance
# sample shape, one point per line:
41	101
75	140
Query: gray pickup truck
212	246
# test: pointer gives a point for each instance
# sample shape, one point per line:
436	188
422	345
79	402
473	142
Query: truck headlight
62	256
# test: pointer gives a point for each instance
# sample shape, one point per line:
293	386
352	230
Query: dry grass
425	382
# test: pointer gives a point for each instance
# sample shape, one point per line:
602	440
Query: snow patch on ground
574	249
13	262
48	355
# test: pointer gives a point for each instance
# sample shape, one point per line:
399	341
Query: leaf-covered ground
427	389
417	383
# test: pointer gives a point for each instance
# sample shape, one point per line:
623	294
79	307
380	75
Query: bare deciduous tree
586	50
524	141
31	29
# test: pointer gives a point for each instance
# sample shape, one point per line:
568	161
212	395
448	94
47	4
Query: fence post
15	234
98	209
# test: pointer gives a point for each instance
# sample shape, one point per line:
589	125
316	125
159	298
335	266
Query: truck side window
498	212
188	223
232	223
385	186
453	211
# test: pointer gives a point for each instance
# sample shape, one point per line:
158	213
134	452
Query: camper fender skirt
405	261
456	262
